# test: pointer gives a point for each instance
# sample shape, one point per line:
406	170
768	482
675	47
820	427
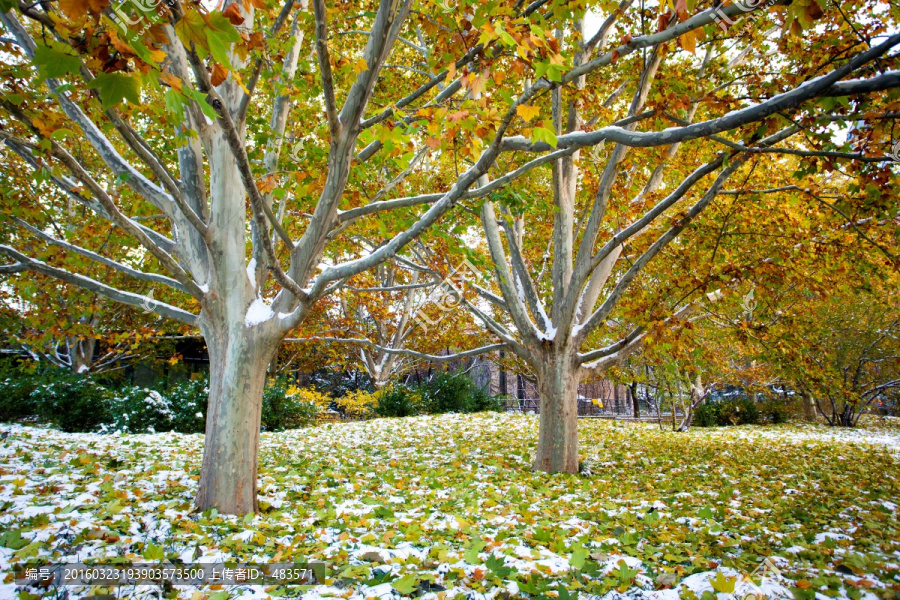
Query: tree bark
238	358
557	449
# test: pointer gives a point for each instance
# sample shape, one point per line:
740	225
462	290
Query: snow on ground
448	506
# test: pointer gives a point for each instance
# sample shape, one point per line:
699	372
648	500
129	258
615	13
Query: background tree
567	319
187	111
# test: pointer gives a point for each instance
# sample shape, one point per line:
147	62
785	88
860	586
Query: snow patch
259	312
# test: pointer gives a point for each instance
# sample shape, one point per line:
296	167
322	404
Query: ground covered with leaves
447	506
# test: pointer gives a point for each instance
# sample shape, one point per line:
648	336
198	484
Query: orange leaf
233	14
615	56
219	74
256	41
266	184
98	6
260	4
457	116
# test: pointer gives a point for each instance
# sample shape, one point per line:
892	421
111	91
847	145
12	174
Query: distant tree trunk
809	406
634	400
557	449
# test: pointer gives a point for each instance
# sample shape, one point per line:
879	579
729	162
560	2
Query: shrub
774	411
139	410
730	411
188	400
360	404
74	403
286	406
398	401
707	414
15	396
456	393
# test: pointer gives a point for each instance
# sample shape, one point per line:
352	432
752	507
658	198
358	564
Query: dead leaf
219	74
233	14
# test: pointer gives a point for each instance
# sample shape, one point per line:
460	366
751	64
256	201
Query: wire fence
602	408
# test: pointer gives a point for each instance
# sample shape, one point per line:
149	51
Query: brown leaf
74	9
98	6
256	41
814	11
233	14
219	74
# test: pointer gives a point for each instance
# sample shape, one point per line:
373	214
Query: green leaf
542	134
116	87
204	105
578	557
52	64
471	555
154	552
248	518
218	49
13	539
405	585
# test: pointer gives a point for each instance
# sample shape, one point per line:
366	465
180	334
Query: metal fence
594	407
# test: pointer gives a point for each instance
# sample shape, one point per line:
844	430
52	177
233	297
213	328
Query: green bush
707	414
15	396
287	407
774	411
456	393
188	400
139	410
731	411
738	411
398	401
74	403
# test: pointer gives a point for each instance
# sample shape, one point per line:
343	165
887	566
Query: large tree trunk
238	358
557	449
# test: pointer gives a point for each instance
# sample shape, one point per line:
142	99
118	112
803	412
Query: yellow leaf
527	112
360	66
688	41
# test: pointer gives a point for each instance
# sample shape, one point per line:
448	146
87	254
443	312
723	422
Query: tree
186	110
564	325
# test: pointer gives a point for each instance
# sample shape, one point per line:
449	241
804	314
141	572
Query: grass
448	505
